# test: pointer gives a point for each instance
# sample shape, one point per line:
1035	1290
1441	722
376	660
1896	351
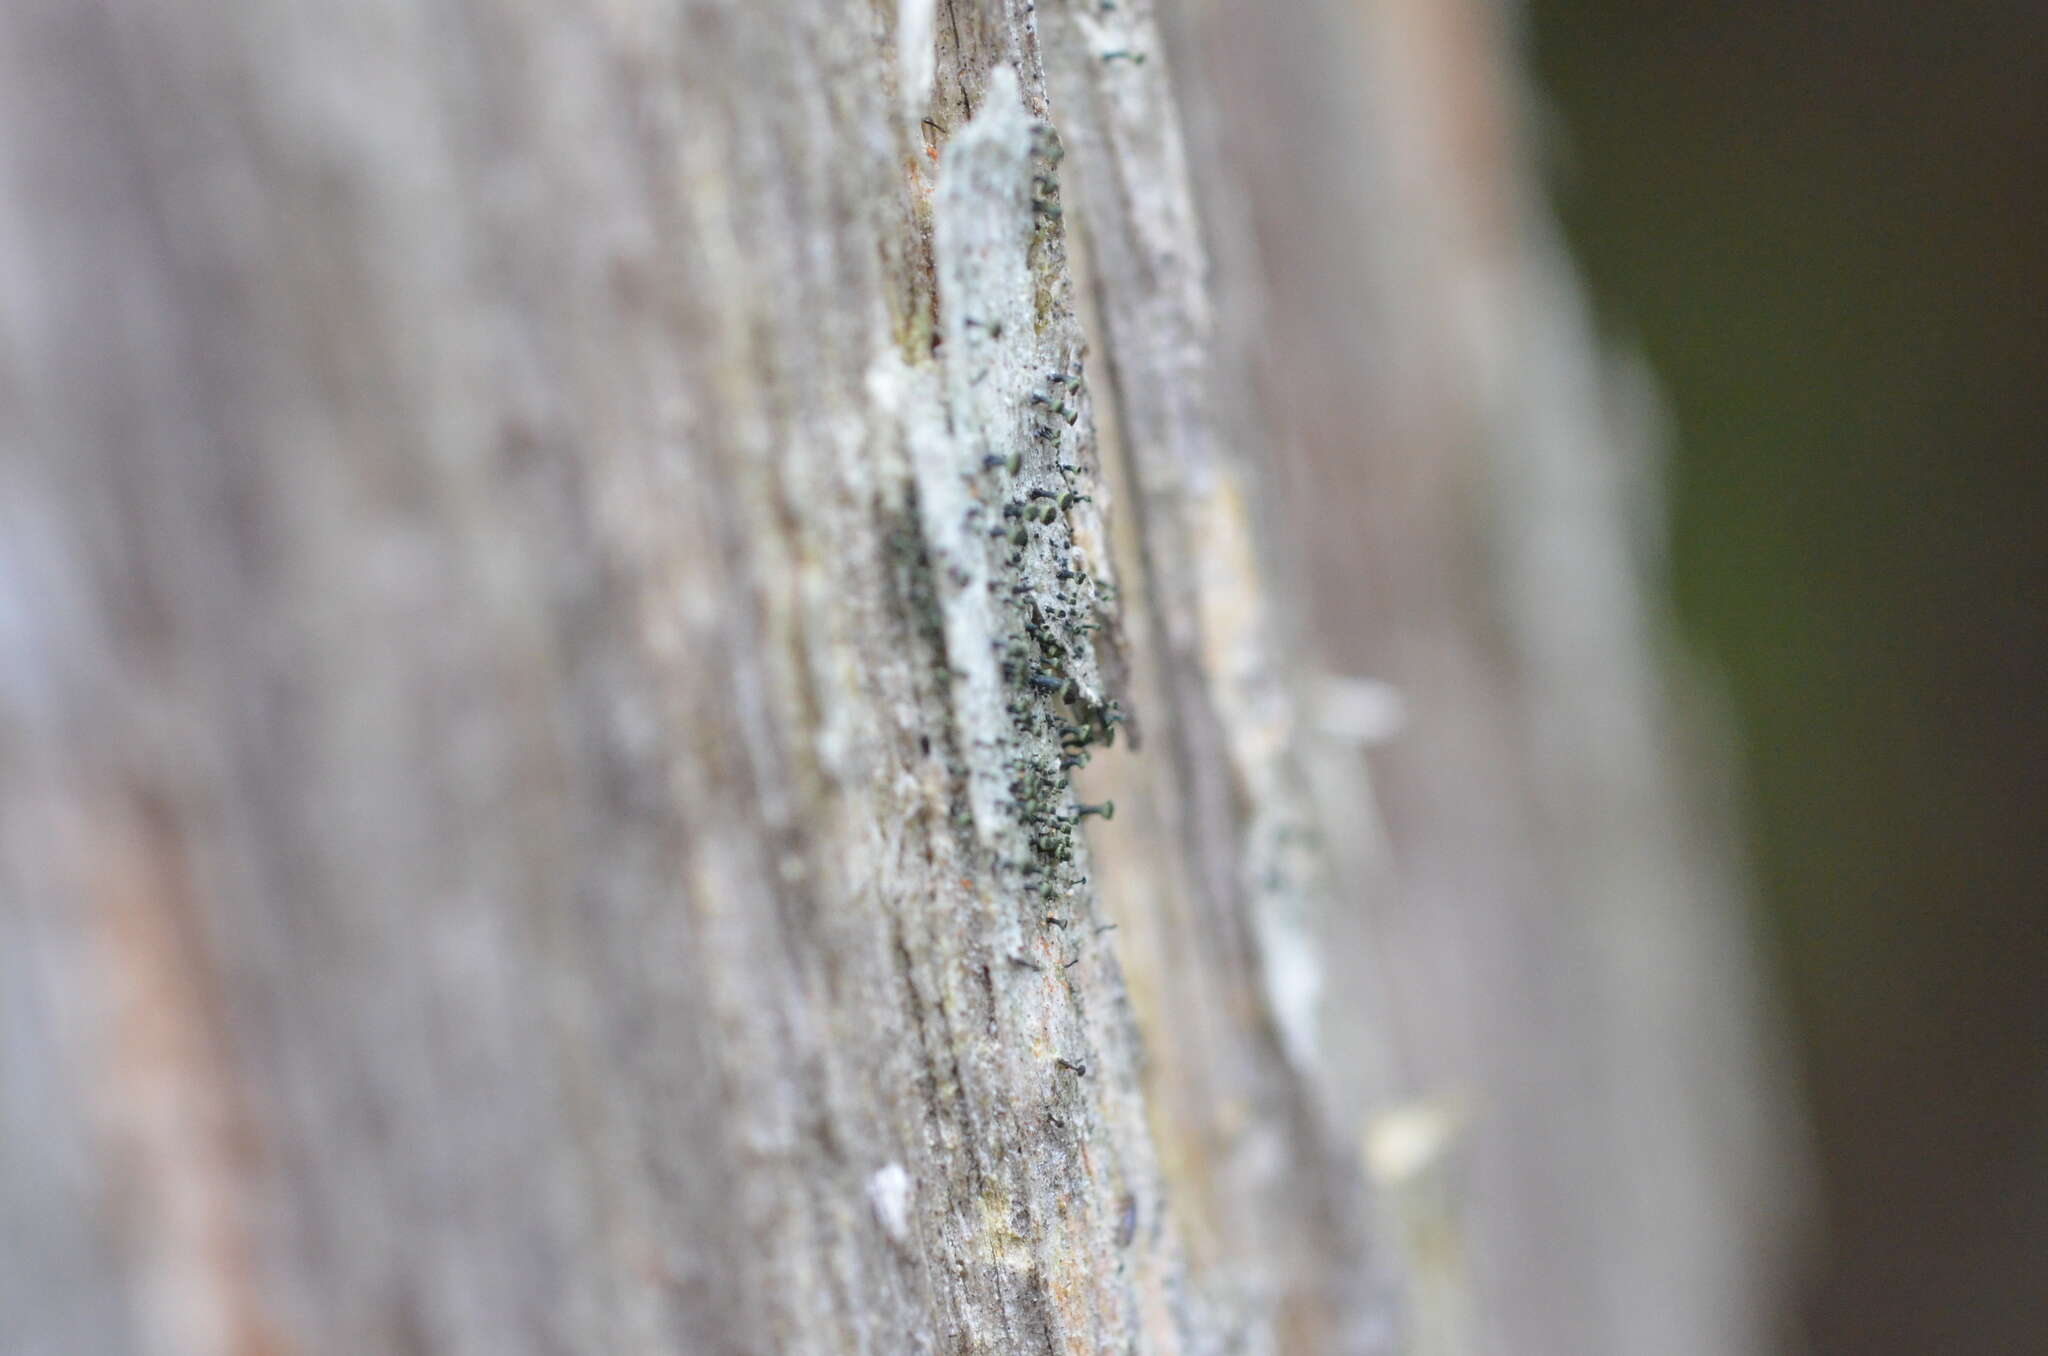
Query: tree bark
572	579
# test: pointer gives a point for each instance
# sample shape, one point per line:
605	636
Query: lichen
1010	499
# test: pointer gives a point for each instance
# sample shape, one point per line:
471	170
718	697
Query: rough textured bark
559	568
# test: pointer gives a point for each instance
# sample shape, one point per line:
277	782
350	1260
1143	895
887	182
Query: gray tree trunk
569	575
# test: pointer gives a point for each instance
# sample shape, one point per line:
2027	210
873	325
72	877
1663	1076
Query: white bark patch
1362	711
889	1195
916	58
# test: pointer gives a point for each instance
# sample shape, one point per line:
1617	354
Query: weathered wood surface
554	563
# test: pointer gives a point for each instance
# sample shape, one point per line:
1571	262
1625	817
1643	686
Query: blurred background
1823	226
